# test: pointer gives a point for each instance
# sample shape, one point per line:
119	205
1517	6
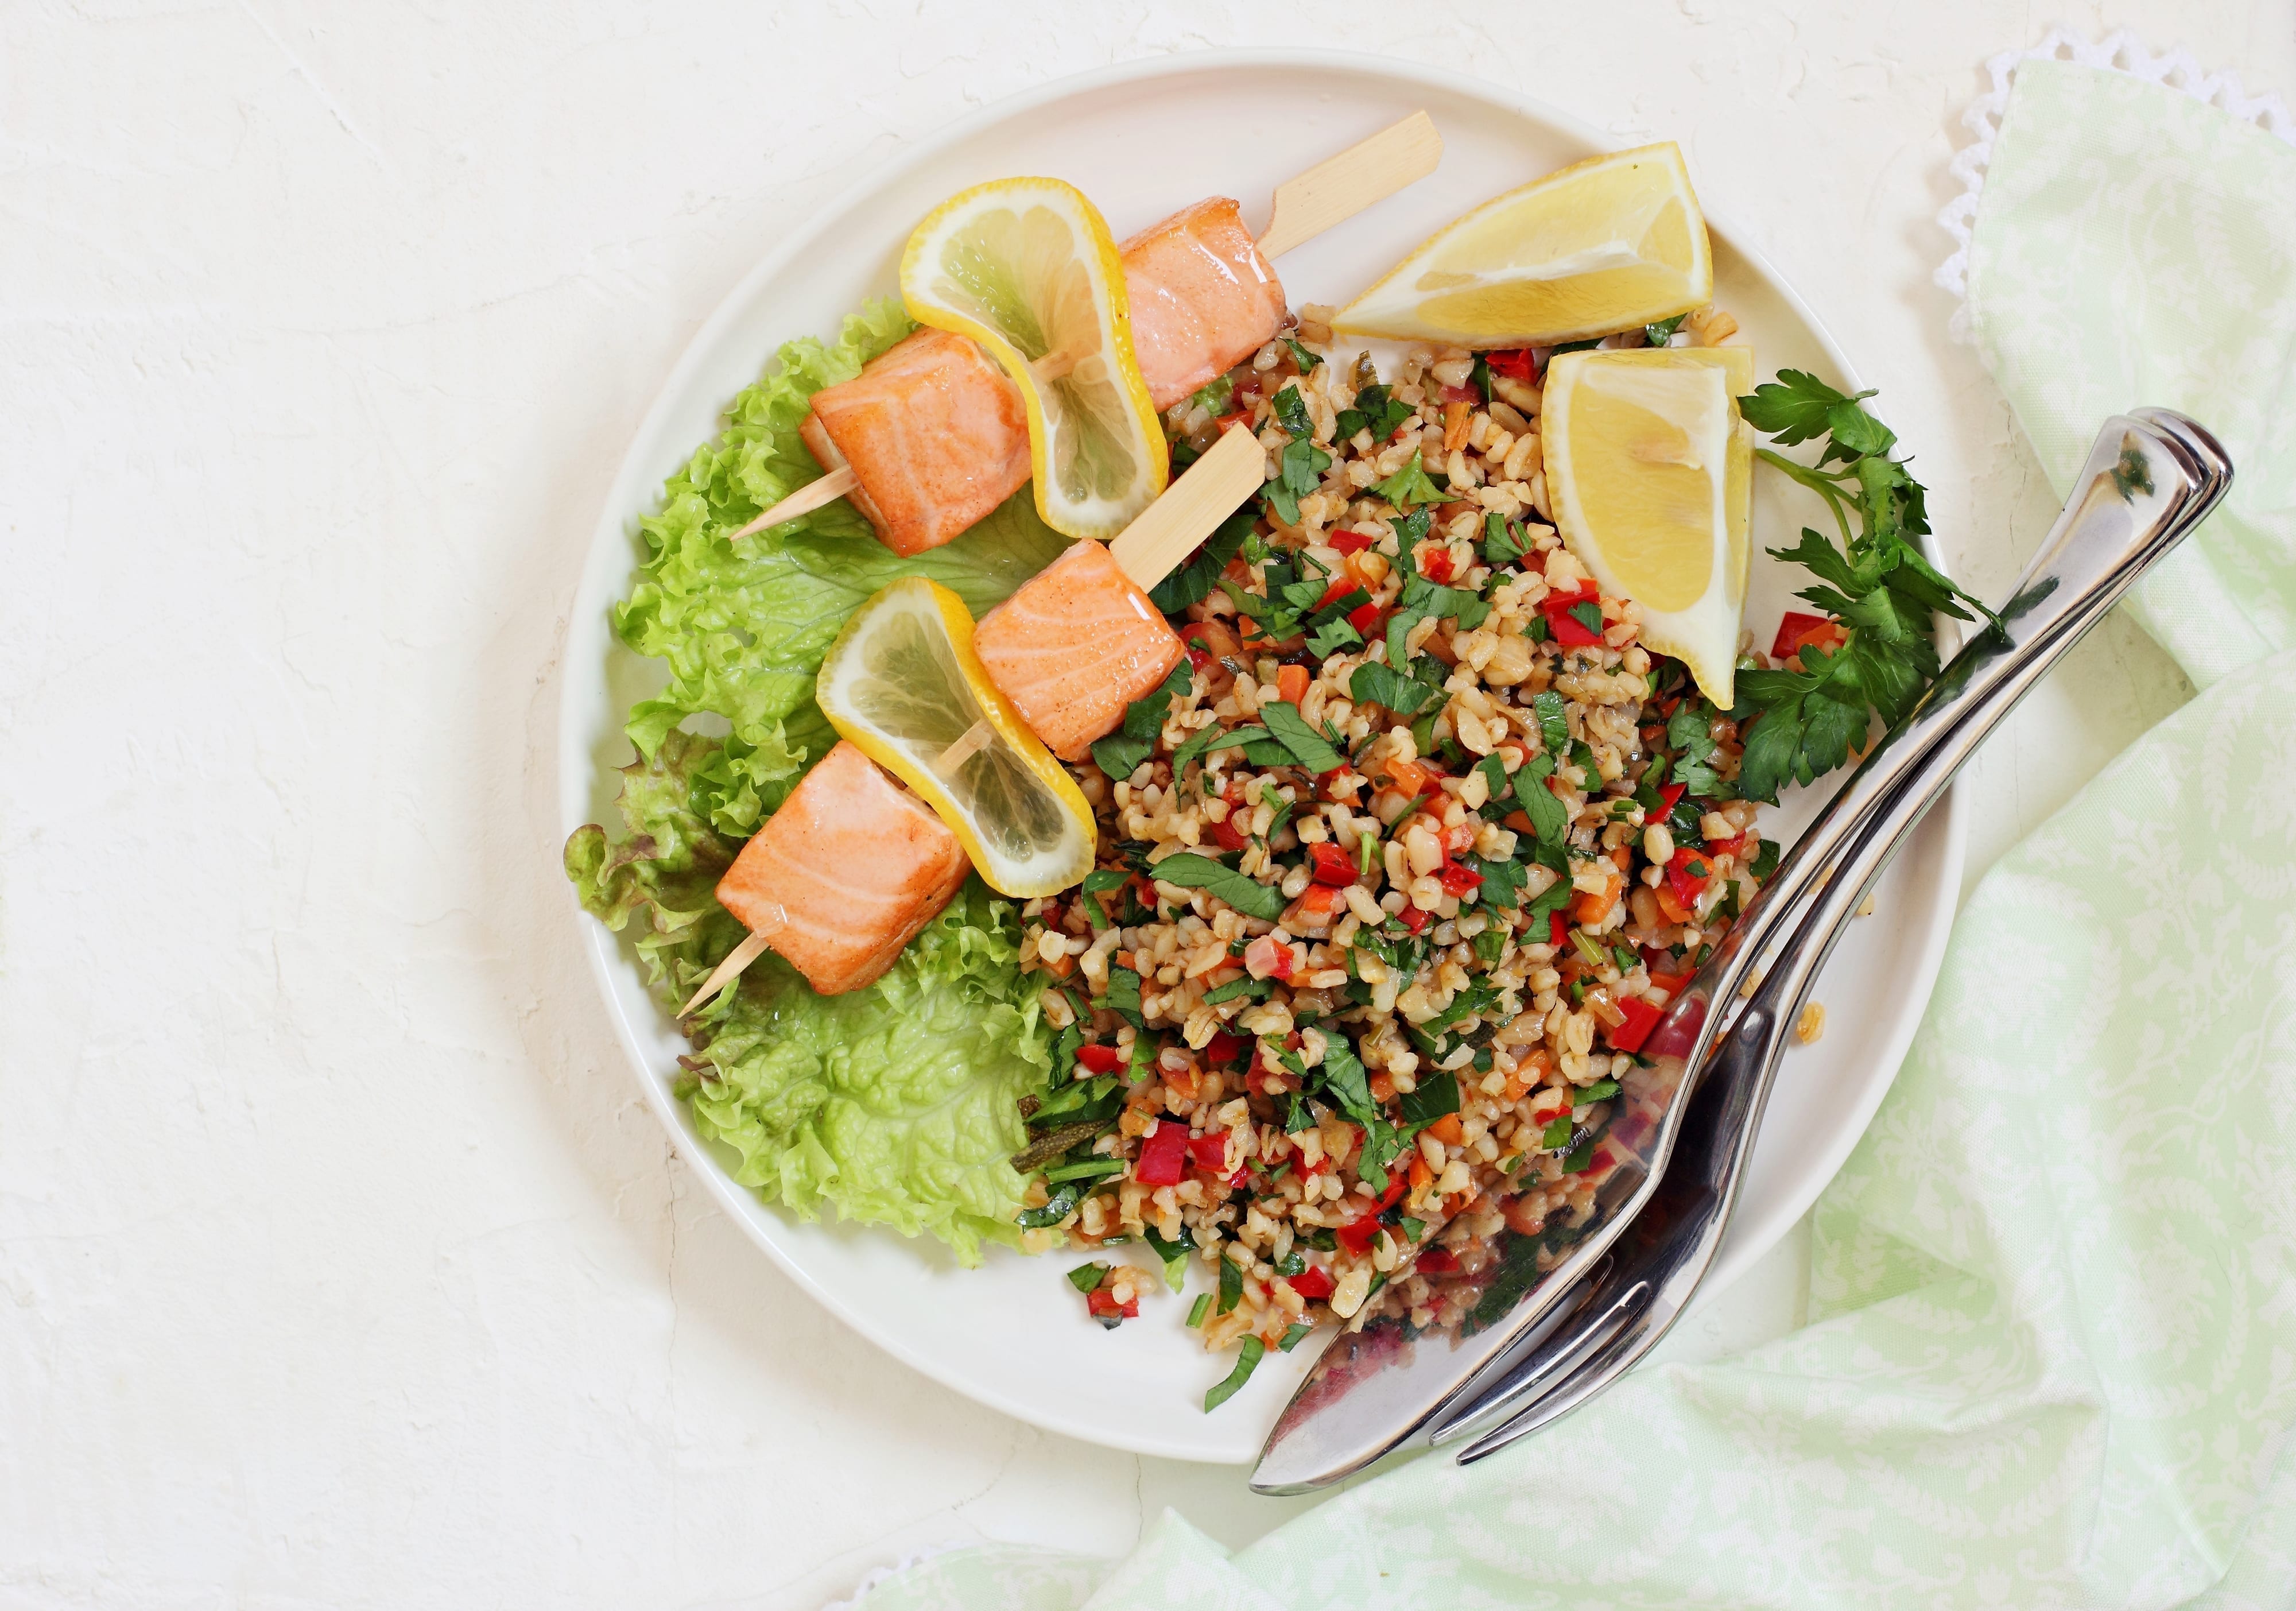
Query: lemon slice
1602	245
902	682
1650	475
1027	269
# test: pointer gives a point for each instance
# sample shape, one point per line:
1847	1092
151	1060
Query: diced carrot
1676	912
1455	426
1382	1086
1419	1174
1447	1130
1409	775
1590	909
1292	684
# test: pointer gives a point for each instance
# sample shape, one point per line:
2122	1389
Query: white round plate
1013	1333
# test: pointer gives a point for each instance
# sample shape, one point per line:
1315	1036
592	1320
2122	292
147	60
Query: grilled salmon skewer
931	436
852	865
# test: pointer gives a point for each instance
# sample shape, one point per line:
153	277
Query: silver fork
2150	479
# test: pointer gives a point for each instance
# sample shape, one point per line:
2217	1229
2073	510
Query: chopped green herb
1293	1337
1085	1278
1600	1092
1135	742
1193	581
1554	724
1663	332
1310	748
1301	356
1292	412
1085	1168
1204	742
1196	1310
1298	471
1123	997
1581	1157
1189	870
1374	684
1247	1360
1213	397
1557	1133
1588	947
1550	819
1231	1284
1250	989
1409	486
1436	1094
1059	1206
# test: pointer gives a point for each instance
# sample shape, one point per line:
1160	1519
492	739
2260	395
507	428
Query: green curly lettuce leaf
894	1104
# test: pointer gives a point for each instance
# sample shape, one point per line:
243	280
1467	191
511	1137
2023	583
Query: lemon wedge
1028	269
1650	475
903	683
1602	245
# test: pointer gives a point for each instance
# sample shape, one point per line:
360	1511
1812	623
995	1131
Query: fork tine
1633	1337
1609	1304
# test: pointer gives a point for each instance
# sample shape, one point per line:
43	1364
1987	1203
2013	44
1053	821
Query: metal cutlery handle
2149	480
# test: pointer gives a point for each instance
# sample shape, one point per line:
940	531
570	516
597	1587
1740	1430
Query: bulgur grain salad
1396	871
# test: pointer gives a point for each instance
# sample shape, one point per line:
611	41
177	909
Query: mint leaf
1310	748
1189	870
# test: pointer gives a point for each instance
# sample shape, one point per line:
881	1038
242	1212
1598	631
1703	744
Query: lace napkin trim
2120	53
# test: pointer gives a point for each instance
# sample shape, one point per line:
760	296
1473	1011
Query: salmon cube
1074	647
933	431
845	874
1203	300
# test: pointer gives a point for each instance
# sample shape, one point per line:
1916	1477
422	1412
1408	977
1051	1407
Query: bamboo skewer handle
1191	508
726	971
813	495
1334	191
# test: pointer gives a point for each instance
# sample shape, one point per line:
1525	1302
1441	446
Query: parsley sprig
1876	583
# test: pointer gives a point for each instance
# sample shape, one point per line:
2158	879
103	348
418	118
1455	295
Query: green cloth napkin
2052	1353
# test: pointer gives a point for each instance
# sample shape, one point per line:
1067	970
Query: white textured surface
339	1263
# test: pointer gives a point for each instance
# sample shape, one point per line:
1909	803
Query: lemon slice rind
1096	445
1561	258
902	682
1648	473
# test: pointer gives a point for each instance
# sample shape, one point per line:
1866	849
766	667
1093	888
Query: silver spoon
2150	479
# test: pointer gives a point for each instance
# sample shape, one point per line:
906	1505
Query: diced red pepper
1517	364
1201	658
1462	394
1227	834
1333	865
1687	873
1104	1306
1438	566
1558	928
1668	798
1414	919
1267	957
1208	1152
1568	631
1458	877
1641	1017
1397	1183
1224	1047
1242	416
1357	1236
1437	1261
1312	1283
1100	1059
1364	618
1351	542
1797	627
1164	1156
1725	847
1341	585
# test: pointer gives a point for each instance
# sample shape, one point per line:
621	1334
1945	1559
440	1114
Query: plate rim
635	485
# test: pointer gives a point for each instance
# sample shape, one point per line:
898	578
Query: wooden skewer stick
728	971
813	495
1170	528
1334	191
